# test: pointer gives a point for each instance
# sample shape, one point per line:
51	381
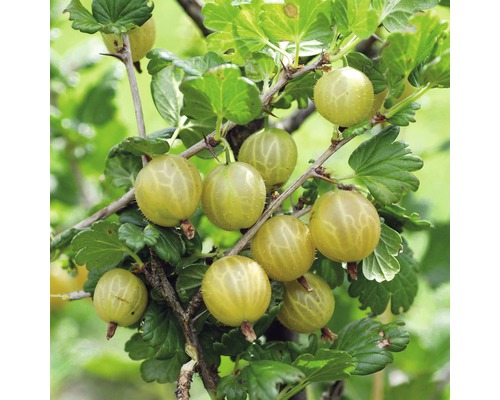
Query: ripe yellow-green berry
306	311
120	299
236	290
345	226
273	153
283	246
344	96
233	196
168	190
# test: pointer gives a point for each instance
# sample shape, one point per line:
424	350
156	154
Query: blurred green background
83	364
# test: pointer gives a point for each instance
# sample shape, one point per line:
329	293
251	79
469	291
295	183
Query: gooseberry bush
263	297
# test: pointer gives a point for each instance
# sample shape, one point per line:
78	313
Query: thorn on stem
211	143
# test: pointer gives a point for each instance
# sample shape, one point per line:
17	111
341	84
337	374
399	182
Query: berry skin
120	297
141	40
233	196
236	290
168	190
304	311
273	153
283	246
344	96
345	226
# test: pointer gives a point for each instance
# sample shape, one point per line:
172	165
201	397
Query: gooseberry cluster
343	226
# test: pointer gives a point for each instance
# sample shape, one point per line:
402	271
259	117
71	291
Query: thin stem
410	99
281	51
353	42
174	136
290	390
285	194
218	129
296	60
134	89
71	296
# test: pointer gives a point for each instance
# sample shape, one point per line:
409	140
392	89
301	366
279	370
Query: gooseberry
283	247
235	290
345	226
120	299
307	311
168	190
233	196
273	153
344	96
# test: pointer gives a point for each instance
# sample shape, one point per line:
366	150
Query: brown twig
156	277
193	10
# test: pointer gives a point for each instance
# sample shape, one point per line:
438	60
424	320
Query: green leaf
122	169
189	280
166	94
132	215
396	217
234	342
121	15
385	166
355	16
260	67
404	116
99	247
325	366
138	348
297	21
61	241
331	271
231	387
263	377
370	68
163	371
436	71
237	28
136	238
195	66
382	265
150	146
82	19
397	13
285	352
109	16
370	343
162	331
400	292
97	106
169	246
196	130
404	51
357	129
299	89
223	93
